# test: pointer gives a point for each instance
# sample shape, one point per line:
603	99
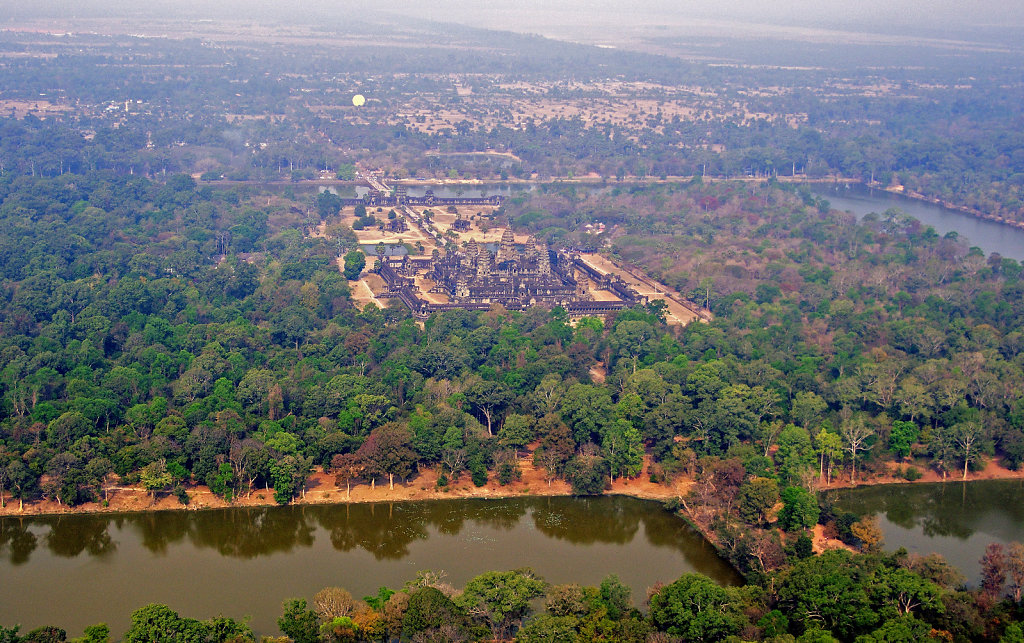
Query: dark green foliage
377	602
508	472
756	498
695	609
181	494
588	475
546	628
355	261
99	633
327	204
156	623
904	434
429	611
478	472
299	623
615	597
831	589
221	481
911	474
501	599
804	546
800	509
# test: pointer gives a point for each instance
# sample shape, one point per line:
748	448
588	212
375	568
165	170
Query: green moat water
78	570
955	519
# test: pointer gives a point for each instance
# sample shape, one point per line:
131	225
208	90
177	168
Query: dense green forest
166	332
173	334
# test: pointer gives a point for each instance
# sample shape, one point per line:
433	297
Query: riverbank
949	205
994	470
321	489
597	180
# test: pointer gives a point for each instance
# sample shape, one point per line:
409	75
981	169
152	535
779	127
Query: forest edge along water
955	519
990	236
846	195
246	561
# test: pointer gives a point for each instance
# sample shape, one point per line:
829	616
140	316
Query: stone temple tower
471	254
544	260
506	248
483	263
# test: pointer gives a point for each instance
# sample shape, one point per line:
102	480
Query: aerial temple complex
513	275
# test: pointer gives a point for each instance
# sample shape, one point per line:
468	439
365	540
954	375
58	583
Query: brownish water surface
75	571
955	519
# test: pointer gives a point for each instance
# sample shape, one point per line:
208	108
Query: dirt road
678	313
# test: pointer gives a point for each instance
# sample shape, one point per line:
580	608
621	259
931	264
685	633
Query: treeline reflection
950	510
385	530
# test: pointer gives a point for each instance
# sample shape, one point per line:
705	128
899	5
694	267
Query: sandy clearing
677	312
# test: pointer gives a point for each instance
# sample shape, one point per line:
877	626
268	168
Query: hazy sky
534	15
783	12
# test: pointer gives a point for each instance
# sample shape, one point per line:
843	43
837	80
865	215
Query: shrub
508	472
911	474
181	494
479	473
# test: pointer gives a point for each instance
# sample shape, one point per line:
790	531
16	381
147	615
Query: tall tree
855	433
501	599
829	447
489	398
756	499
21	480
346	466
388	451
1015	570
967	436
993	569
586	409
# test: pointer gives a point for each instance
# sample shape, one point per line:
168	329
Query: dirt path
362	292
321	489
678	313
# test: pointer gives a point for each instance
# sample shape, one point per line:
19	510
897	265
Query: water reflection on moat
245	561
955	519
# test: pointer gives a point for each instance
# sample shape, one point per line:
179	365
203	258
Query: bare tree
993	570
244	456
454	460
967	435
855	434
333	602
549	460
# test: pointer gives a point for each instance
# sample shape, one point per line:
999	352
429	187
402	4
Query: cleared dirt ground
677	312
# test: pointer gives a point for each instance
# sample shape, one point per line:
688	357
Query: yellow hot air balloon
358	100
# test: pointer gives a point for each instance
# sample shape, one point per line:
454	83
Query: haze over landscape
758	266
536	16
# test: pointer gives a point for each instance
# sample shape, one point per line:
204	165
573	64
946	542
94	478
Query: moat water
990	236
859	199
79	570
955	519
